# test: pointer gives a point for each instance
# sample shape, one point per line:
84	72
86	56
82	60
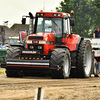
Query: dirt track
54	89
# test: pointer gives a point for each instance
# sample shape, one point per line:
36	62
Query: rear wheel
60	57
84	59
12	52
95	72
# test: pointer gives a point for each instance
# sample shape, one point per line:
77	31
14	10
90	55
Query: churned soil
54	89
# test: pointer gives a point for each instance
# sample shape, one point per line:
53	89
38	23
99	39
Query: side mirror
72	22
23	20
31	15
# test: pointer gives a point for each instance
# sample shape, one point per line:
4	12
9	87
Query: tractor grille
35	38
36	48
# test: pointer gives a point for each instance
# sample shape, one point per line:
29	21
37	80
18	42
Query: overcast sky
13	10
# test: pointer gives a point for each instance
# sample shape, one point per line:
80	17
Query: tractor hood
43	42
43	36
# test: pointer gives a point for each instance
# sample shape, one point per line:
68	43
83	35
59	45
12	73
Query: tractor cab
55	23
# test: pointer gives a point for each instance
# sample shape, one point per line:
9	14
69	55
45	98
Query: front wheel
60	57
12	53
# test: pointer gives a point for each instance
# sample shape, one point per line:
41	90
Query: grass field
2	71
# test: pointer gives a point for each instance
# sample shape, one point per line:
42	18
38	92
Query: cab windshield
50	24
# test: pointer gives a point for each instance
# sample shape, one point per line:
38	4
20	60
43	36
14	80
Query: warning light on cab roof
41	10
72	12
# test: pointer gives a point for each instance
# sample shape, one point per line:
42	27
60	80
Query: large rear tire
60	57
84	59
13	53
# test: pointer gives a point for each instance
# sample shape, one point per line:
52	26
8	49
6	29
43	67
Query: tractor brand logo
33	52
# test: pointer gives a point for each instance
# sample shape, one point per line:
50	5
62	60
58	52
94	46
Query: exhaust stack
31	23
31	26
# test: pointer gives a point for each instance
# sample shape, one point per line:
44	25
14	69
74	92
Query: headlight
31	47
29	41
35	41
42	42
39	47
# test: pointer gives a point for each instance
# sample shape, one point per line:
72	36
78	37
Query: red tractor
50	47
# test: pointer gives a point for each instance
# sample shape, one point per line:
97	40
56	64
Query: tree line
86	14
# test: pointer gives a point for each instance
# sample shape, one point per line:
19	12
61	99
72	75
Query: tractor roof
51	14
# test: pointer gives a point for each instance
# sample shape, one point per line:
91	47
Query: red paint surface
71	41
46	37
50	14
22	35
28	66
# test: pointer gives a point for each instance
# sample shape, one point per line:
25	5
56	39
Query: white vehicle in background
95	43
13	40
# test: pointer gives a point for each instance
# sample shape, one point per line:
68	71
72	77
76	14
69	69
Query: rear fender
62	47
72	42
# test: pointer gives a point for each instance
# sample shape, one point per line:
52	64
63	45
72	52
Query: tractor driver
54	27
96	33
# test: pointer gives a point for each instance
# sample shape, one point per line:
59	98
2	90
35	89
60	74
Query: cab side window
67	26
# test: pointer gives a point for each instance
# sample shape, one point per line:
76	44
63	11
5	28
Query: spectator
96	33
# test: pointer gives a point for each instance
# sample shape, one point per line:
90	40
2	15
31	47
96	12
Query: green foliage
86	14
97	3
